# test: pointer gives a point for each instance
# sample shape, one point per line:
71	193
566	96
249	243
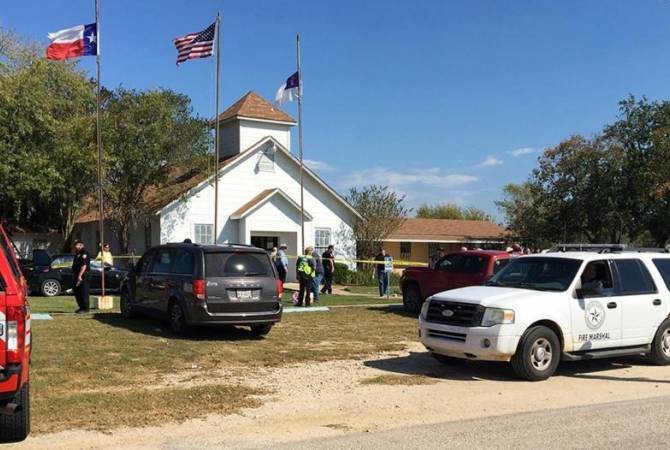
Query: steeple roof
253	106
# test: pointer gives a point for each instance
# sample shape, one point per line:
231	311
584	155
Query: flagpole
302	167
101	224
216	133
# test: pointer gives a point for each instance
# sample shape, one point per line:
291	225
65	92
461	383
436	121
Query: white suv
541	309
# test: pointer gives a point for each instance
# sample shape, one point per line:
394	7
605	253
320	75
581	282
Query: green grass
337	300
67	304
59	304
371	290
101	371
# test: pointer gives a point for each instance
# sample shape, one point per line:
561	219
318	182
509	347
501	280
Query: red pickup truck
461	269
14	346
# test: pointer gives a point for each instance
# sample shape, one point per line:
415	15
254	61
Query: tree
451	211
47	144
524	218
384	213
643	131
146	135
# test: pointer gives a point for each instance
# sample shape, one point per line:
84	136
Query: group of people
312	269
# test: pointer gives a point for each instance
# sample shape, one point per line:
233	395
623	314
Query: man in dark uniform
81	266
328	258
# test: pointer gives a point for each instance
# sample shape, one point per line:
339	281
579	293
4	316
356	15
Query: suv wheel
660	346
261	330
537	355
177	318
126	308
16	427
411	298
50	288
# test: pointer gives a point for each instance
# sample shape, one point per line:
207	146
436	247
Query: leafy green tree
146	135
643	131
523	214
384	213
451	211
47	142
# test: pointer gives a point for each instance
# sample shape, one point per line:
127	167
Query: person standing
382	274
105	256
437	257
328	258
81	266
281	262
318	275
305	267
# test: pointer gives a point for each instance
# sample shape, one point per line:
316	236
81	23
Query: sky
442	100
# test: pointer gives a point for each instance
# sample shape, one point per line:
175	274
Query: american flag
195	45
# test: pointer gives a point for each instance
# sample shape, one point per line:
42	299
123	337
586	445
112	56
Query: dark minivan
194	284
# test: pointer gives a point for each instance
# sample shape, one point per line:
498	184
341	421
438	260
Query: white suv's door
641	301
596	311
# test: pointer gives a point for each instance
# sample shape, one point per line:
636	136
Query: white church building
259	194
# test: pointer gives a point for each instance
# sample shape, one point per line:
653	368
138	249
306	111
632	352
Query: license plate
244	295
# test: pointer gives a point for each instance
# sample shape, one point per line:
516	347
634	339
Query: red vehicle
14	346
460	269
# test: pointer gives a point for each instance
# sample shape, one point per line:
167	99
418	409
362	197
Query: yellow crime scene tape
337	260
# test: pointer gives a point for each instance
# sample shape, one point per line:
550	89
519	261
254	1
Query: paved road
634	424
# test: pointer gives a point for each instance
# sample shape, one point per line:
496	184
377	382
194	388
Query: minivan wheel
50	288
126	308
16	427
660	346
537	354
261	330
177	318
411	298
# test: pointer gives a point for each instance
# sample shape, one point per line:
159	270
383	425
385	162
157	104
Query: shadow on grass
396	309
160	328
422	363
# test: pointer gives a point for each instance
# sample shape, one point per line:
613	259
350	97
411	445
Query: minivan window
634	276
663	266
237	265
183	264
163	261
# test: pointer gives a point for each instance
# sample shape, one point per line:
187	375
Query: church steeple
249	120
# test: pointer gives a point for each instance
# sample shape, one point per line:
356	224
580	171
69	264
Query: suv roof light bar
606	248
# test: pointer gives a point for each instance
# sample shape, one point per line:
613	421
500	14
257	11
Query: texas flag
81	40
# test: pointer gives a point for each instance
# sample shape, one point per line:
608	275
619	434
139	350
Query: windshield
538	273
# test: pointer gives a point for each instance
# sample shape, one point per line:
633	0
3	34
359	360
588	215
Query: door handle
657	302
611	305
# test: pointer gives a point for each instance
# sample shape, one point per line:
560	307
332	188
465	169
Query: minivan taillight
199	290
280	288
16	333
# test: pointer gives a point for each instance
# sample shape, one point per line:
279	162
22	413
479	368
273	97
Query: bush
362	277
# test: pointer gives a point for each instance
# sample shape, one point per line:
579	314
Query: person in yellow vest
105	255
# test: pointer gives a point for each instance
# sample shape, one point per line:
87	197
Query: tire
178	323
50	287
447	360
261	330
126	308
16	427
660	346
537	355
411	298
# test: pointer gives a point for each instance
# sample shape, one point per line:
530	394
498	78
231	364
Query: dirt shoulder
338	397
